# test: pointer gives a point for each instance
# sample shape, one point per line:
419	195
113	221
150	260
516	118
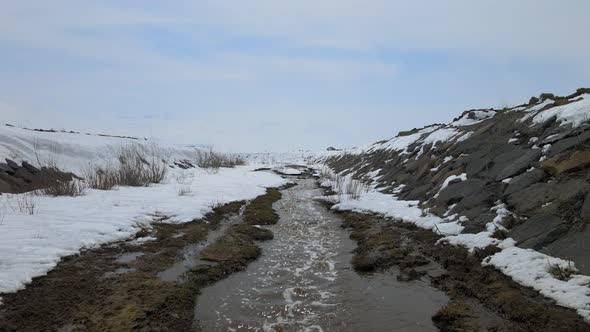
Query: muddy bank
128	286
482	298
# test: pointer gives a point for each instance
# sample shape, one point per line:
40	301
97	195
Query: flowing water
304	282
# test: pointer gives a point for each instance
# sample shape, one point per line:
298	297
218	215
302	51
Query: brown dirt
95	292
471	287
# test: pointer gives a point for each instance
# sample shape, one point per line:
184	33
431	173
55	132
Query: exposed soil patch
117	288
482	297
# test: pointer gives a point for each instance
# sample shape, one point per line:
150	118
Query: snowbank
390	207
531	268
72	152
288	170
31	245
574	114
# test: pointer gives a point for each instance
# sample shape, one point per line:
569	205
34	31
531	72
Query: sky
268	75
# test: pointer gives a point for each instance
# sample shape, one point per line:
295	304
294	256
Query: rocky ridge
534	158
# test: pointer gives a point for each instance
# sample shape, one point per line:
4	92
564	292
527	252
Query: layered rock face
534	158
15	178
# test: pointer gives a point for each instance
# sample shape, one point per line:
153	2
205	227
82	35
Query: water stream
304	282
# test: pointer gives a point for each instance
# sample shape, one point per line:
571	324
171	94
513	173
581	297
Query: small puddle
304	282
190	254
128	257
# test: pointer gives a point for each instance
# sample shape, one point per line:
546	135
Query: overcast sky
262	75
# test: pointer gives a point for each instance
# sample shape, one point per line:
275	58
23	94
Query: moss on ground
260	211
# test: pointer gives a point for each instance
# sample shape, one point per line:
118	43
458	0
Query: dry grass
46	153
137	166
184	190
26	203
65	188
213	160
562	273
101	177
2	212
344	186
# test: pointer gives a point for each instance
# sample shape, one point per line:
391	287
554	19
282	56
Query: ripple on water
304	282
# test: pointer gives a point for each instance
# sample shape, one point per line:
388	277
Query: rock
25	175
567	163
5	168
459	190
573	246
524	180
30	167
5	187
527	201
539	231
477	164
12	164
567	143
417	192
585	211
533	100
513	163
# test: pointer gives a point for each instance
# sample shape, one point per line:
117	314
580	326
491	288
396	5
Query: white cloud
334	51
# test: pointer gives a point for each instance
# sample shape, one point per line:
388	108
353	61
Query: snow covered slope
73	151
36	231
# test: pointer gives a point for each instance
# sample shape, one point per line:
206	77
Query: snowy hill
37	229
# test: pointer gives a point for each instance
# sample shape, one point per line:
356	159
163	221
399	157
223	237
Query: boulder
25	175
30	168
524	180
5	168
573	246
485	197
539	231
512	163
526	202
585	211
567	163
456	191
12	164
567	143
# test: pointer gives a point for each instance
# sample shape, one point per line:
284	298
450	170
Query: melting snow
574	114
31	245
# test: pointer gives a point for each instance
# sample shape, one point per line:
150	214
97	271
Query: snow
402	143
288	170
528	267
464	136
574	114
441	135
473	117
531	268
460	177
31	245
391	207
447	159
72	151
535	109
